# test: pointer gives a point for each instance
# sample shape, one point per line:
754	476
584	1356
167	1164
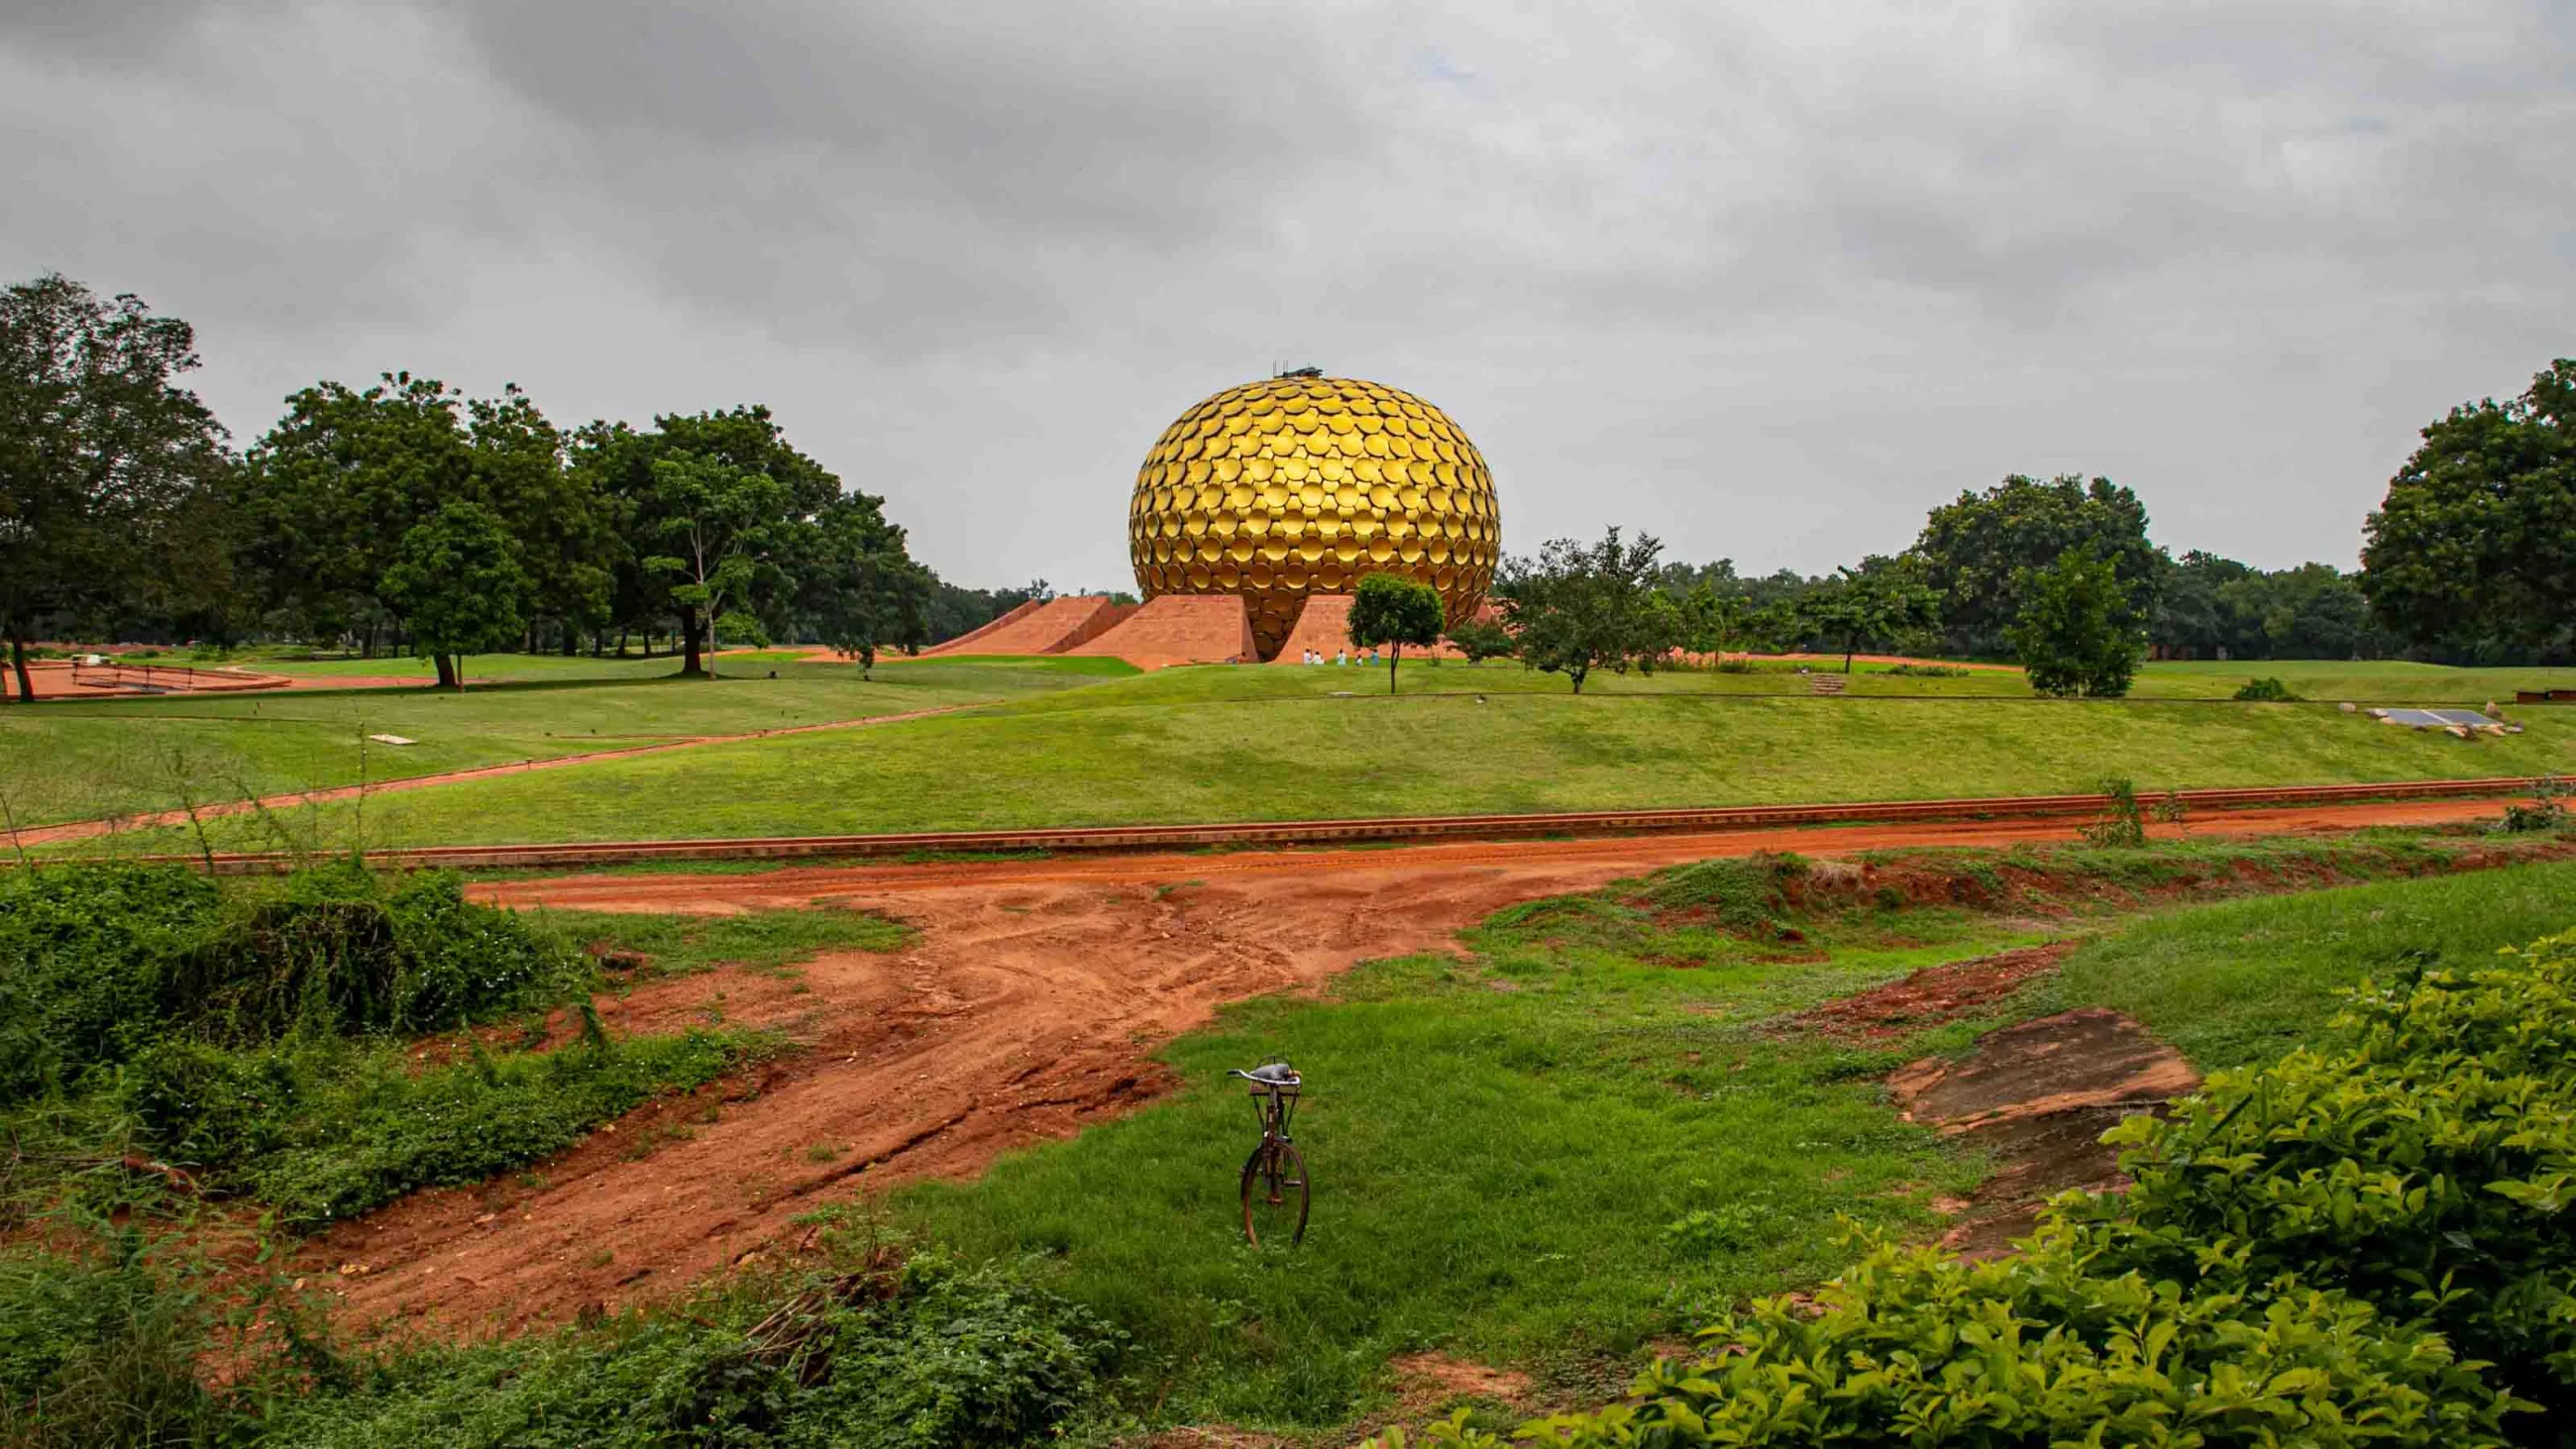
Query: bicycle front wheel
1274	1195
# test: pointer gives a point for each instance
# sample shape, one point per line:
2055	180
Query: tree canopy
1577	607
1391	611
105	461
456	579
2476	539
1975	550
2074	632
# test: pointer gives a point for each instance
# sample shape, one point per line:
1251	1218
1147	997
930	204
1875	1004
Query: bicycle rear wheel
1274	1194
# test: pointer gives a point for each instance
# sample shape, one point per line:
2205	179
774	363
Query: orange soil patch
2039	1095
86	829
1179	629
1934	994
1049	628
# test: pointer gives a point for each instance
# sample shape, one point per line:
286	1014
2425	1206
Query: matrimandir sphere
1304	484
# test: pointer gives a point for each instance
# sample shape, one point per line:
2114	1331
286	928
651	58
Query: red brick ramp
1034	628
1179	629
1324	626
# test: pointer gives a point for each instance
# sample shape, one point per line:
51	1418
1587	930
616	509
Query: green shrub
2426	1169
2266	689
1929	671
1733	664
1909	1348
99	1347
98	962
2121	826
326	1130
943	1357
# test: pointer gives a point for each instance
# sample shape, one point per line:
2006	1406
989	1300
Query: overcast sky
1768	280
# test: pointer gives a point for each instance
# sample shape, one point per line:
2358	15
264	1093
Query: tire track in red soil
1026	1009
88	829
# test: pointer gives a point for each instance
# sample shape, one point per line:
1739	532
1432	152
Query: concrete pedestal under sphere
1292	486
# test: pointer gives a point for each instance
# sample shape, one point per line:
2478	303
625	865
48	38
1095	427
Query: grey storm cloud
1767	280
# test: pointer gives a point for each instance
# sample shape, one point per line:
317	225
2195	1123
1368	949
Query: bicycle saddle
1271	1074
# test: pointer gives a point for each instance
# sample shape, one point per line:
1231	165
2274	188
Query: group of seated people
1316	656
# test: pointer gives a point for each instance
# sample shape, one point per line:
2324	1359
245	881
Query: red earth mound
1179	629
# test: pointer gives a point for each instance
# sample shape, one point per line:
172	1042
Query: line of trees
408	515
2471	559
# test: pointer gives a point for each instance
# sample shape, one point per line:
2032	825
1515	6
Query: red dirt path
1027	1008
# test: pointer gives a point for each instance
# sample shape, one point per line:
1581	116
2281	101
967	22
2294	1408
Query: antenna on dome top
1299	372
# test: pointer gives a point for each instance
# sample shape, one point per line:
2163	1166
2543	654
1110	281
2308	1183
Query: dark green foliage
2075	632
457	584
1480	641
2265	690
938	1357
98	961
99	1346
2476	539
2217	608
1981	552
1884	599
1576	608
2547	812
80	949
1392	610
2426	1169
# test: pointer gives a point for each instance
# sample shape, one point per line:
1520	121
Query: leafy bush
2427	1169
1734	664
97	962
2546	813
1929	671
99	1347
940	1357
2266	689
325	1131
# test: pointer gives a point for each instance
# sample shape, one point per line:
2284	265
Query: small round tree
1392	611
457	582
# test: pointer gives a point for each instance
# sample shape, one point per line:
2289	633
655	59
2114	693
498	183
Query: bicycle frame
1274	1106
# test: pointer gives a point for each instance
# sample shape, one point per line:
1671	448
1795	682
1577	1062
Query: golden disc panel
1318	481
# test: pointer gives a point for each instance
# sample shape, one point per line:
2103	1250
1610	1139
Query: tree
858	588
1879	600
1393	611
2073	633
1712	622
1481	640
101	456
457	582
1972	551
2477	536
723	521
1576	608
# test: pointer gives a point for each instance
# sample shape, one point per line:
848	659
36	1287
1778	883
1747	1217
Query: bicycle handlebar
1288	1079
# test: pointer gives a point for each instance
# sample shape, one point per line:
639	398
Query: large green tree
1579	607
1975	550
1390	611
2074	633
2476	539
716	529
103	460
457	582
857	588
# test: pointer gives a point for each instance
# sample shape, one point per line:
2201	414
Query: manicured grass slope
79	760
1307	758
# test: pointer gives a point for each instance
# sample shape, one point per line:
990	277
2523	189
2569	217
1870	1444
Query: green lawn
78	759
2242	982
1050	763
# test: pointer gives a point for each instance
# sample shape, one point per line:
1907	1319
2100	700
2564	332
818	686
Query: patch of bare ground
1933	995
2038	1096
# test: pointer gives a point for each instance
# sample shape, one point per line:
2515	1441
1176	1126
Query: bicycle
1274	1177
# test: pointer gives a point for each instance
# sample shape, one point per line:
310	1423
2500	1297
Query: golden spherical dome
1301	485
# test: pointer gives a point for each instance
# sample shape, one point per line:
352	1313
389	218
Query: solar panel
2437	719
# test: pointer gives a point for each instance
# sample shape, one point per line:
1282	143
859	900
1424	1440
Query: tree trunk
367	641
449	677
1850	646
1393	653
18	663
694	665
